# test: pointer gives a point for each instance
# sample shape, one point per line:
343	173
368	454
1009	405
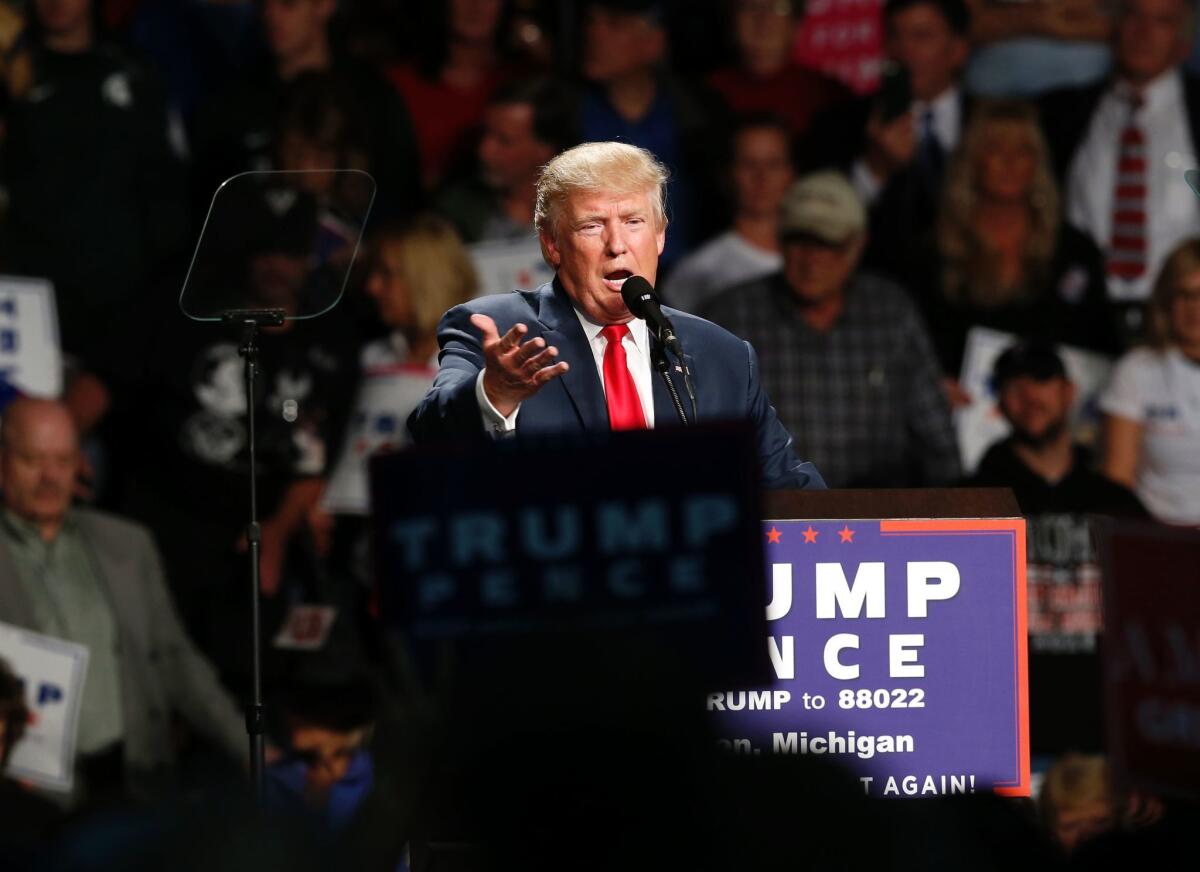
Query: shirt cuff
493	422
864	180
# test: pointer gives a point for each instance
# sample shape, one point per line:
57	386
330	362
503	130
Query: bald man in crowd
95	579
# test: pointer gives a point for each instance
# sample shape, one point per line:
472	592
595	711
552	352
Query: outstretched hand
514	370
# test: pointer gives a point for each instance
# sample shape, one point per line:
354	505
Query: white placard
980	424
30	351
510	264
53	672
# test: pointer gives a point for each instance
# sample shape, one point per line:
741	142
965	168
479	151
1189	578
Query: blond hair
1075	781
429	256
610	167
1184	260
970	271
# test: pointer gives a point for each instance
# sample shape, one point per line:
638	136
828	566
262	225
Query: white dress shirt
1172	211
637	356
947	127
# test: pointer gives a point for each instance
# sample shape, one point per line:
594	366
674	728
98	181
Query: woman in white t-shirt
418	270
1152	404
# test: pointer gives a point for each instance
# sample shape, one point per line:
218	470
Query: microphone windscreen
637	292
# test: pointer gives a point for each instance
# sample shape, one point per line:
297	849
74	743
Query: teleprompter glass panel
278	240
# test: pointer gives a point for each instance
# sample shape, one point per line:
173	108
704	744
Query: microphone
643	302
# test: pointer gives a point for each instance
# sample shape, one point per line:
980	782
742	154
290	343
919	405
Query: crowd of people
855	188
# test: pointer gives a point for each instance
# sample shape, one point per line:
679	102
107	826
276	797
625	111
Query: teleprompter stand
276	246
249	321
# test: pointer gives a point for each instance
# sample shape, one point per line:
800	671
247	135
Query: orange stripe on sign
1022	787
939	525
1005	526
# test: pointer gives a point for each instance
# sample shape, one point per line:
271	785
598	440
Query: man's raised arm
483	378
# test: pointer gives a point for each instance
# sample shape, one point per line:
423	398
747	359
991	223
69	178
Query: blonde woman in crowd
1003	256
417	271
1152	404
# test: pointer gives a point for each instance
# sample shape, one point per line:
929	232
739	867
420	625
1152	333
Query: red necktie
1127	243
624	405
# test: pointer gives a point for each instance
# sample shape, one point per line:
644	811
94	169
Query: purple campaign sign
899	649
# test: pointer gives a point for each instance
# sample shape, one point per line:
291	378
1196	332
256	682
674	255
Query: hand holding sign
52	671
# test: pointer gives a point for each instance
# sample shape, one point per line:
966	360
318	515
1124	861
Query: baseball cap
1033	358
823	205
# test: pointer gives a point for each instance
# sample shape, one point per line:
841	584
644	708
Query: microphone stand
658	356
249	320
670	340
688	386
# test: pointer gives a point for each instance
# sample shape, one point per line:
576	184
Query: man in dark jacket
97	197
896	145
237	132
632	97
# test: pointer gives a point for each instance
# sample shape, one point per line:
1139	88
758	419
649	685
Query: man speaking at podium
570	355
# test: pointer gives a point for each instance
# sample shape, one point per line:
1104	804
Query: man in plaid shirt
844	354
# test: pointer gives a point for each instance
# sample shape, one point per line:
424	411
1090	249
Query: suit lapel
582	384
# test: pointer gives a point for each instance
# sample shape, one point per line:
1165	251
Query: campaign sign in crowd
899	651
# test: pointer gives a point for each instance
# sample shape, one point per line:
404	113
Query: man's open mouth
616	278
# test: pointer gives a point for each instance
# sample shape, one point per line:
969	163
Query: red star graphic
846	533
810	535
773	536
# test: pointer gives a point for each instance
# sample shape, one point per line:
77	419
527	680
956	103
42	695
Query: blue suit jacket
724	370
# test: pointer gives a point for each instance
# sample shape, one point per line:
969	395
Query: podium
979	502
614	629
897	635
